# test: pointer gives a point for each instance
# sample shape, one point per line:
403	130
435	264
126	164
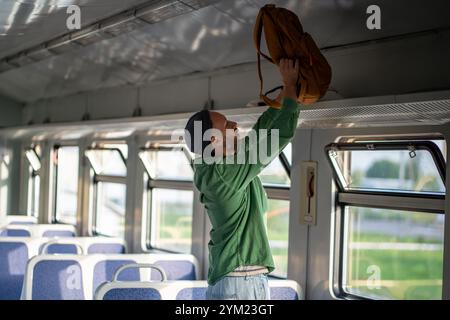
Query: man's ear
213	139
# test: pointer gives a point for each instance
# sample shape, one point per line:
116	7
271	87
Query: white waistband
248	271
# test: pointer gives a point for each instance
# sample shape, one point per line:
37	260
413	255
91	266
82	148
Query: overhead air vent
340	115
122	23
196	4
162	10
62	45
89	35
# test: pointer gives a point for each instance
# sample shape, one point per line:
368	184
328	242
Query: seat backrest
79	276
166	290
84	245
19	220
285	290
176	269
183	290
111	246
14	255
15	232
59	279
38	230
104	271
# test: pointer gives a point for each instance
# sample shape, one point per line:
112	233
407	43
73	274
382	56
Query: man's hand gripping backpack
285	38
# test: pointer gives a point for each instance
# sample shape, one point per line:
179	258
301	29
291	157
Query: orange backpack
285	38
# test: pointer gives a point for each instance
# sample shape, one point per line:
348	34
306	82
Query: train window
277	172
278	234
4	176
389	218
34	166
276	180
389	167
171	224
170	198
108	162
110	209
33	159
157	163
66	184
393	254
442	145
287	152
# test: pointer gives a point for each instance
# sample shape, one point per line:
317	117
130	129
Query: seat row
15	252
105	276
77	277
17	219
36	267
125	277
183	290
37	230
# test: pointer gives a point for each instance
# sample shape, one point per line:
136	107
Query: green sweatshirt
236	202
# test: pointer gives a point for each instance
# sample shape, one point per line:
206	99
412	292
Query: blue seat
25	223
14	255
132	294
175	270
284	293
38	230
59	248
107	248
192	294
285	290
94	270
58	233
14	233
104	271
84	245
183	290
16	251
13	260
66	282
18	220
157	290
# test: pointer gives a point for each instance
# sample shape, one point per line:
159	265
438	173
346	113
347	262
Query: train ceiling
140	41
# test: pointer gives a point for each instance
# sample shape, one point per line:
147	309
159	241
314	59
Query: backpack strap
273	90
257	34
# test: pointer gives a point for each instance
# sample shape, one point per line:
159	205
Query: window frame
405	201
287	167
102	149
55	150
31	182
167	184
166	148
100	178
96	205
373	146
5	160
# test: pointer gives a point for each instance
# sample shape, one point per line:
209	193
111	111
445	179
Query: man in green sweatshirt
233	195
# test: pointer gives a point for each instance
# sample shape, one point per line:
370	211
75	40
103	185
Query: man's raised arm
239	173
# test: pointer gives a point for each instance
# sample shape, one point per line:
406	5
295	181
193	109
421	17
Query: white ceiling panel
218	36
24	23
